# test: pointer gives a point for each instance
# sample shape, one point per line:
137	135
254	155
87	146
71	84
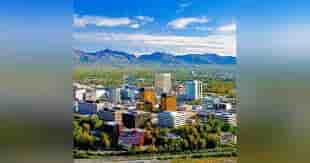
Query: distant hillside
111	57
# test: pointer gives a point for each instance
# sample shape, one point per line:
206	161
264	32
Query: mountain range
112	57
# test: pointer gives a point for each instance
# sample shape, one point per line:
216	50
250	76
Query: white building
171	119
208	102
227	117
90	95
227	137
163	82
79	94
193	89
101	93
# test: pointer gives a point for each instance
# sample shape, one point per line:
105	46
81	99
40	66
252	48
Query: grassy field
198	154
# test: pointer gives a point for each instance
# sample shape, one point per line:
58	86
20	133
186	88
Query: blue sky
140	26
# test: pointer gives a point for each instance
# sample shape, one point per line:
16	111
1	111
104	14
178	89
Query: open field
201	160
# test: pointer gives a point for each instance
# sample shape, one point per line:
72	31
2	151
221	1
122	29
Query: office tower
180	90
168	102
115	95
148	95
171	119
193	89
162	82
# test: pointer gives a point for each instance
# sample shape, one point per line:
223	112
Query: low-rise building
111	115
112	128
79	94
90	95
185	107
136	119
227	117
101	94
131	137
223	106
87	107
227	138
203	116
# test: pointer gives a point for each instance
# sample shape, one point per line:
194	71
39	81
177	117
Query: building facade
148	98
87	107
194	89
115	95
111	115
131	137
136	119
171	119
162	82
227	117
168	102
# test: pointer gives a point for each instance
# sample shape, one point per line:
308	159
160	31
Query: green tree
151	149
105	141
226	127
95	121
202	143
213	141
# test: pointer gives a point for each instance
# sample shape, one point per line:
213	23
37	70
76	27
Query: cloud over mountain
103	21
182	23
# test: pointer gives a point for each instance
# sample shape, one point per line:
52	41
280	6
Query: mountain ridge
113	57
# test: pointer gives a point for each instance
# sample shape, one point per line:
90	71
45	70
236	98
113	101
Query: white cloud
182	23
135	26
145	18
227	28
101	21
220	44
82	21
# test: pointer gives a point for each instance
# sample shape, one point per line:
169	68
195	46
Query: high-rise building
180	90
171	119
193	89
148	95
168	102
162	82
115	95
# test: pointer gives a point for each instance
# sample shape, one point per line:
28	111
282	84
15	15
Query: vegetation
83	139
186	138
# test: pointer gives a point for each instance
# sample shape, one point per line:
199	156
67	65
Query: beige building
162	82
